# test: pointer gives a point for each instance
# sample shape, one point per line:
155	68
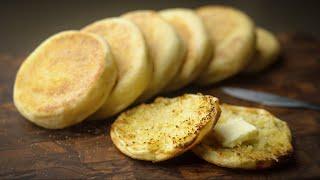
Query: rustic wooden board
86	151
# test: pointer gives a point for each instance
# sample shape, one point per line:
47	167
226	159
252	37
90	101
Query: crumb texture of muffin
165	128
272	143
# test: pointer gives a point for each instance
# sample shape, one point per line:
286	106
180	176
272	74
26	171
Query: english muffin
233	36
65	79
271	145
166	49
165	128
131	56
199	50
267	51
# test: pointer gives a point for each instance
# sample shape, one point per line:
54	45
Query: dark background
24	24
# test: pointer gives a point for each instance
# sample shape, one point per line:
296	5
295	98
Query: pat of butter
234	132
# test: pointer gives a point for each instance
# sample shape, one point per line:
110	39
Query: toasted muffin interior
272	143
165	128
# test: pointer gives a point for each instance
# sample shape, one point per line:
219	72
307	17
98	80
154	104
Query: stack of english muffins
98	71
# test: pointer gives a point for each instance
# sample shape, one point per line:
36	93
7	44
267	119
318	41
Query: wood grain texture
86	150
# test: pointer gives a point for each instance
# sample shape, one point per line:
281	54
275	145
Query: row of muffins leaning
98	71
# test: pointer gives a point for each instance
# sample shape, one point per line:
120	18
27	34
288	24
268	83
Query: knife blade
268	99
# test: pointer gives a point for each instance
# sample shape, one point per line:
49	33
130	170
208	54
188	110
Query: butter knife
268	98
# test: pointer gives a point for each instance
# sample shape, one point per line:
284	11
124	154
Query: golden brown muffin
165	128
166	49
130	54
65	79
199	50
273	141
233	37
267	51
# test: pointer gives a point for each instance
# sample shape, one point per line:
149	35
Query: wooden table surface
86	150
